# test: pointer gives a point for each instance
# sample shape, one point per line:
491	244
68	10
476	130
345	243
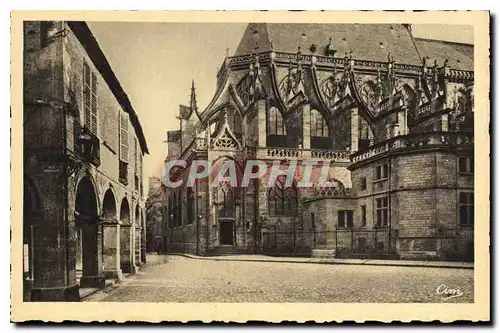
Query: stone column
143	238
92	276
111	249
54	276
138	231
354	129
262	128
306	131
126	249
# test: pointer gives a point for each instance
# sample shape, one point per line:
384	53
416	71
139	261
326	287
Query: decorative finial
446	63
225	116
271	44
227	52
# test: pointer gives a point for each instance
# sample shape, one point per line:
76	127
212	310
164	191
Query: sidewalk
333	261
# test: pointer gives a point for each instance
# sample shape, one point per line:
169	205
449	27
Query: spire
192	103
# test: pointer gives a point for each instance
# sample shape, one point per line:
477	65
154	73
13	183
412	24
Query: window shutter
86	94
136	158
123	137
93	107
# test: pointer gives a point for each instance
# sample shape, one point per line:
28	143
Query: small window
466	165
381	171
466	207
345	219
362	184
363	215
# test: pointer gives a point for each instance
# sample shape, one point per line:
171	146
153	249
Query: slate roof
460	56
363	39
367	41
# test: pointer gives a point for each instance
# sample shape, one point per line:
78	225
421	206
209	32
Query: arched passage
111	236
88	245
109	205
126	249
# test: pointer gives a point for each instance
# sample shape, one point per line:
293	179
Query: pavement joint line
333	262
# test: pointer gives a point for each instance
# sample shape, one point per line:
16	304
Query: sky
156	62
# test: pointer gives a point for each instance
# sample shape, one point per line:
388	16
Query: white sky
155	63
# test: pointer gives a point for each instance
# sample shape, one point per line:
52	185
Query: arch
88	245
125	211
109	205
281	200
86	197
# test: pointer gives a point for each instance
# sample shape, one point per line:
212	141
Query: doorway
226	232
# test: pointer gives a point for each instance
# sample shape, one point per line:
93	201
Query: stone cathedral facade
392	115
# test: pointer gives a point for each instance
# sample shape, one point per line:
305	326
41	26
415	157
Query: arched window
226	200
275	123
281	200
320	135
319	127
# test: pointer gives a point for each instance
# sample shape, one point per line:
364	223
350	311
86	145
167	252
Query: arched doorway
110	237
126	250
88	235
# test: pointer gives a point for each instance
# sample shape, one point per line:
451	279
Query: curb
327	262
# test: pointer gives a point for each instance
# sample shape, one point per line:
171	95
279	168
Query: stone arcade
393	114
84	217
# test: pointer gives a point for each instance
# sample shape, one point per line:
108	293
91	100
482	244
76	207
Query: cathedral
392	117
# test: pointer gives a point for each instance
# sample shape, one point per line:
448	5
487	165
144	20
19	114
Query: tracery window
226	200
281	200
275	123
331	189
319	127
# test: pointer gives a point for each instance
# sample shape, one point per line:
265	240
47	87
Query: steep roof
459	55
89	43
364	40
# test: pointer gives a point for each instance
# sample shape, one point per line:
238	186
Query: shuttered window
124	136
89	98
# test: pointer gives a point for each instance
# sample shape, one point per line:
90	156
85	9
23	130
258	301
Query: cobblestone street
181	279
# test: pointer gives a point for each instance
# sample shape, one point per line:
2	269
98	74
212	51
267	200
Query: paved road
180	279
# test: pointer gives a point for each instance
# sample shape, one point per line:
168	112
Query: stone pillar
92	276
126	249
54	278
143	238
306	130
111	249
138	231
354	129
261	116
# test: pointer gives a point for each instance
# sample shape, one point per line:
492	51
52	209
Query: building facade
84	204
392	116
155	217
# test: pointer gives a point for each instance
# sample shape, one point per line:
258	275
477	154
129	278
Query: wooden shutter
86	94
93	107
136	158
123	136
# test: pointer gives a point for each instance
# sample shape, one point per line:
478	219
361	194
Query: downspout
65	191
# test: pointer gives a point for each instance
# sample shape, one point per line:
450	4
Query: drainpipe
65	191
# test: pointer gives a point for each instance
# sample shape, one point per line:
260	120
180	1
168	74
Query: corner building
392	114
84	213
